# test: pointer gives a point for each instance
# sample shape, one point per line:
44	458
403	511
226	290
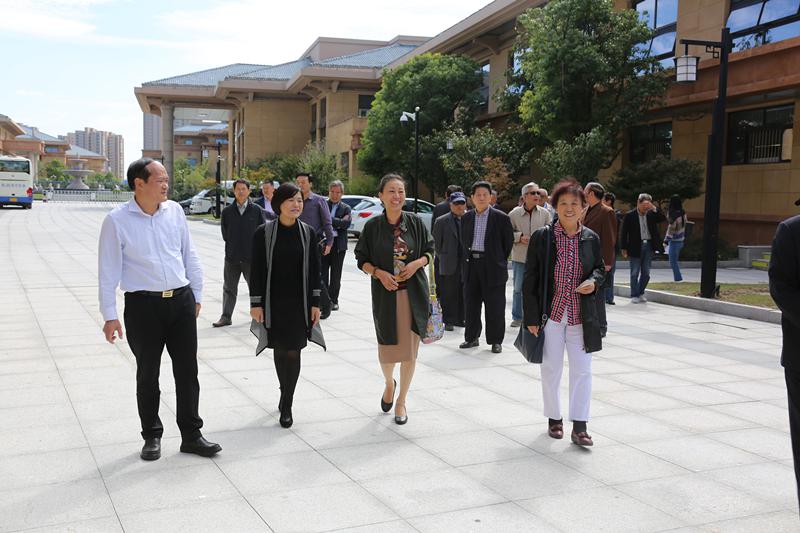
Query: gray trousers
230	285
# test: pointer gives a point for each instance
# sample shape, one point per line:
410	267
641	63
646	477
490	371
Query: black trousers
478	290
332	273
793	390
153	322
230	284
451	296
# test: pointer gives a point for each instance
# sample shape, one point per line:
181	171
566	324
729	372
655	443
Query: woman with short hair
573	274
394	250
285	288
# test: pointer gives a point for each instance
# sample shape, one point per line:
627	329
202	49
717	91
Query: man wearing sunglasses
525	219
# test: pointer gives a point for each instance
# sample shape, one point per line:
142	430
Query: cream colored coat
525	223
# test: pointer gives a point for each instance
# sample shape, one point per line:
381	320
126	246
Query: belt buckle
167	294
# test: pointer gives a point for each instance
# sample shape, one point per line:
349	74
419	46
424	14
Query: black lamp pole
218	179
716	154
416	158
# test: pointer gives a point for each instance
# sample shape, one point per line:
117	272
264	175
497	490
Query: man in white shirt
146	249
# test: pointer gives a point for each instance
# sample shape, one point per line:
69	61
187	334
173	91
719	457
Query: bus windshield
15	166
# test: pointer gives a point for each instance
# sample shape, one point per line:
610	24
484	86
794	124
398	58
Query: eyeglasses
532	193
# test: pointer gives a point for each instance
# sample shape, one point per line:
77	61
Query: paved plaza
689	419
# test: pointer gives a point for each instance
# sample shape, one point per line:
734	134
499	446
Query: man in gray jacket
525	219
450	255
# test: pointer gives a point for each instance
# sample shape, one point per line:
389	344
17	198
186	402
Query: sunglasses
532	193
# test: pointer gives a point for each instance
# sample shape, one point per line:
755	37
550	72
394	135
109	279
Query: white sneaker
635	300
642	299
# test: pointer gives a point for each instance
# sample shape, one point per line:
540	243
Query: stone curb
750	312
203	220
733	263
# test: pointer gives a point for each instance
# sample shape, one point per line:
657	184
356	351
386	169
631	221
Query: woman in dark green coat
394	250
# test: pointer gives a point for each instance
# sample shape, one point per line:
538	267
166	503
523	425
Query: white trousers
557	337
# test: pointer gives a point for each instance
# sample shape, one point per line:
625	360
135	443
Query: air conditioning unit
362	113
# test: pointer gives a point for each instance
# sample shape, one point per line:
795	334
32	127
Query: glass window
650	140
647	11
313	120
365	101
757	22
778	9
663	44
760	135
188	141
483	99
662	16
666	13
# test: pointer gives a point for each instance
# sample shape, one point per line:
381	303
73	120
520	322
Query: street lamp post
404	119
686	72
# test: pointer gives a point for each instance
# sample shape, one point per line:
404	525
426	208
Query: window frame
730	136
659	31
759	30
652	138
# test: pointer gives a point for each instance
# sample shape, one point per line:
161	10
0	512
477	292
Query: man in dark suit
601	219
443	207
487	237
450	256
332	263
238	224
784	286
640	239
264	202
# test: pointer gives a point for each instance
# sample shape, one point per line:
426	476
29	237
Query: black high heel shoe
400	420
387	406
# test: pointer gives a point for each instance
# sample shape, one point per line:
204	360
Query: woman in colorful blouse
573	275
394	249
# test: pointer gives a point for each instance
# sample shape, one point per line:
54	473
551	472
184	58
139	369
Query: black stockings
287	366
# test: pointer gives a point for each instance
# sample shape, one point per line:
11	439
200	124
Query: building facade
105	143
322	98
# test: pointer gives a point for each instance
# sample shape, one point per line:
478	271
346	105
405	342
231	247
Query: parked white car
206	200
372	207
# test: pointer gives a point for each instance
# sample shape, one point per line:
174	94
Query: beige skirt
407	341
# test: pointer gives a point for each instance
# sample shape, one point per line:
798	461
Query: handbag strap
545	272
431	279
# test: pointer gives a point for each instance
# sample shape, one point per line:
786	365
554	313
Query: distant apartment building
105	143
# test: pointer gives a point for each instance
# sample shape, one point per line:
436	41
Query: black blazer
631	237
449	249
237	230
497	244
784	286
439	210
591	257
340	223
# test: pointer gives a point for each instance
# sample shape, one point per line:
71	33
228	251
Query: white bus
16	182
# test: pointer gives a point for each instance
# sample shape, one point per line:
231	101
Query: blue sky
75	62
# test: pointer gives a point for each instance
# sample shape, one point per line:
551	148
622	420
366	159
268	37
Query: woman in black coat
573	275
285	288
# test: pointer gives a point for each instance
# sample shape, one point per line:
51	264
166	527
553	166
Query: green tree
660	178
445	87
284	167
188	180
53	174
584	78
104	180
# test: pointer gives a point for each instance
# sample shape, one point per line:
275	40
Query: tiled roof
277	72
208	78
82	152
375	58
32	132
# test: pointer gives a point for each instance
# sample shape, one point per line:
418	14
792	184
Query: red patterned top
567	277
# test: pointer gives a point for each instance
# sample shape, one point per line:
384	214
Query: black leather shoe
200	446
497	348
286	419
334	307
400	420
222	322
468	344
449	327
325	314
151	450
387	406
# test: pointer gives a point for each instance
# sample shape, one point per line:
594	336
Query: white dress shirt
140	252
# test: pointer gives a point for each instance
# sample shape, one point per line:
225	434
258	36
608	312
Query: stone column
168	140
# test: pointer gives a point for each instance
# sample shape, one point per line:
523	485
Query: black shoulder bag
530	345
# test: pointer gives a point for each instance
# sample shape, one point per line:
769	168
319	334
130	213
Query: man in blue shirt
317	215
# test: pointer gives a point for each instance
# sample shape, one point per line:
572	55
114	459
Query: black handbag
532	346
